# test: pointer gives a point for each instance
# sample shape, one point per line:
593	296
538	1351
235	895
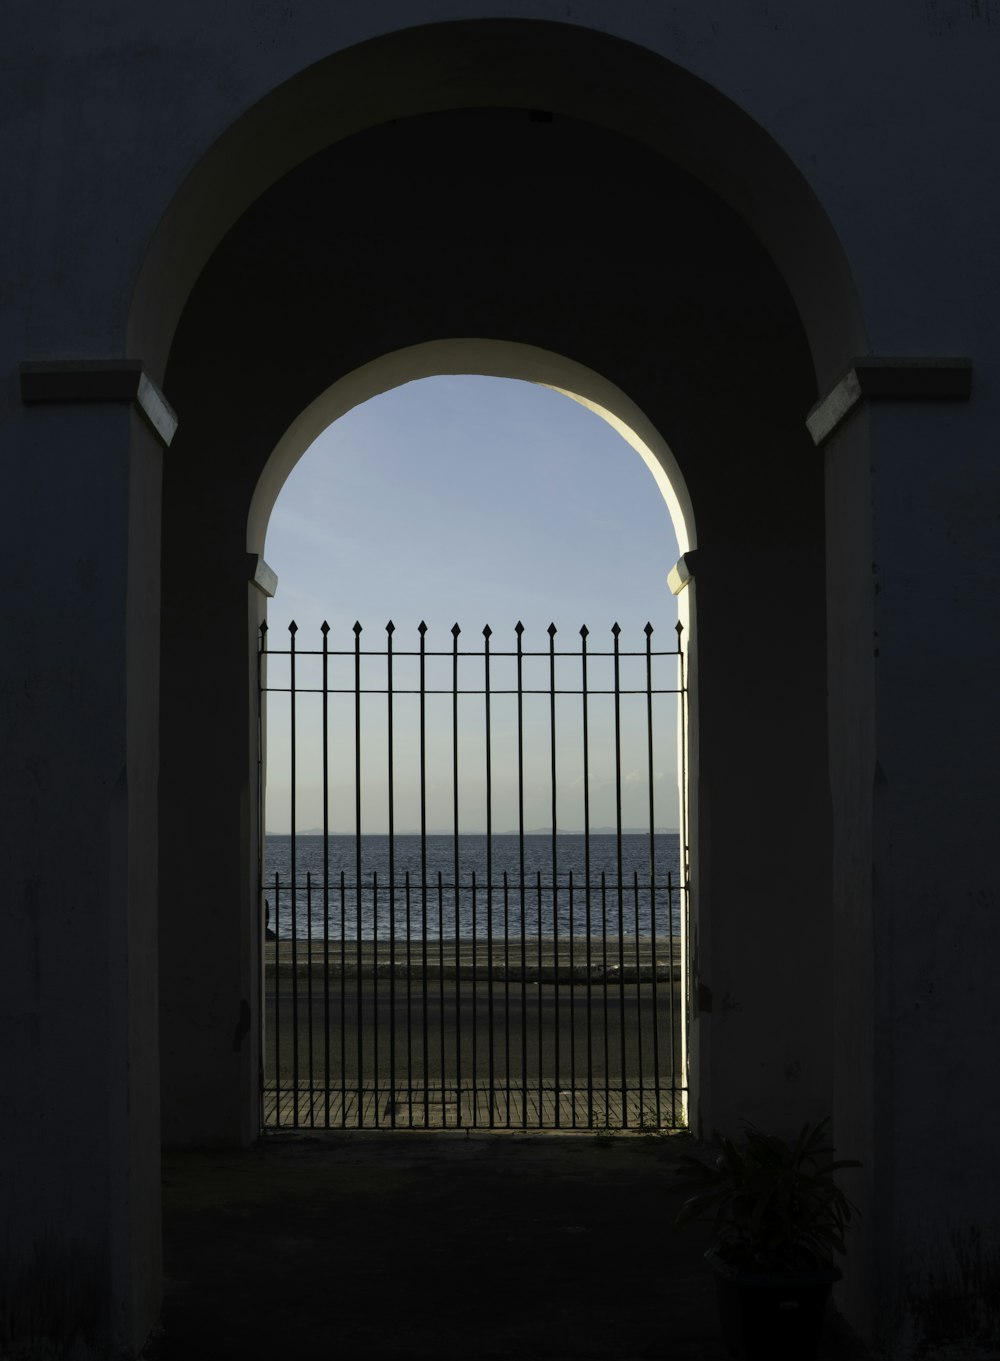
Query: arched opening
613	209
720	303
489	357
526	857
542	69
564	238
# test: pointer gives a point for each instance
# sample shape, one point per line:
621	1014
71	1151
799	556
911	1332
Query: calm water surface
554	900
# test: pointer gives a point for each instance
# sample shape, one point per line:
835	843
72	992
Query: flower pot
771	1318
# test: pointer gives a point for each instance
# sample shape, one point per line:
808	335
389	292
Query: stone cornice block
99	380
895	380
262	576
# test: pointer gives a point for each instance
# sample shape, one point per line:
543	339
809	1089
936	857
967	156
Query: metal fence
448	972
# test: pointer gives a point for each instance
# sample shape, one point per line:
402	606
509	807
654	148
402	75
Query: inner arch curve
489	358
525	64
583	259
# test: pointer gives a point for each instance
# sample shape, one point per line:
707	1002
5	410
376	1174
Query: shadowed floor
393	1245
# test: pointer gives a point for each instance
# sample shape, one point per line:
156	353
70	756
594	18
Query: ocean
436	903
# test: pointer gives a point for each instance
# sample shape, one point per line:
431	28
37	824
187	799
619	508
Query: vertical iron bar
292	630
358	951
489	869
506	990
375	1066
673	1052
455	631
422	630
444	1120
261	852
652	886
519	630
685	884
541	1027
475	1003
572	1005
616	631
638	999
343	1000
586	875
325	630
277	1000
604	984
409	1003
555	871
309	993
389	630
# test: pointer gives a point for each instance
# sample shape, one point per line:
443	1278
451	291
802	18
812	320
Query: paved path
444	1247
383	1106
461	1035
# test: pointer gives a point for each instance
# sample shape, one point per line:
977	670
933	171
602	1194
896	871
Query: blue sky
471	500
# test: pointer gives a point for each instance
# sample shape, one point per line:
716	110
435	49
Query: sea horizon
455	884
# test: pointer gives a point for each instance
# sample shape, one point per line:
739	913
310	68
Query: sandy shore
547	962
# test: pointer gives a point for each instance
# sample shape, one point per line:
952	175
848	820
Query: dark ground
398	1245
621	1029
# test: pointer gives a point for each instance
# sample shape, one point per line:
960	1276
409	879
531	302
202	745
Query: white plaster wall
881	153
891	113
71	833
936	574
850	631
112	105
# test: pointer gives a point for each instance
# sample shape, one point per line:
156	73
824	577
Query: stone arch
503	359
110	124
563	237
528	64
493	359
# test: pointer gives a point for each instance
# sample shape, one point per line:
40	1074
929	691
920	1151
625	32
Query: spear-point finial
293	628
584	631
324	628
455	630
552	630
487	632
357	629
680	629
615	629
648	630
421	628
519	628
390	628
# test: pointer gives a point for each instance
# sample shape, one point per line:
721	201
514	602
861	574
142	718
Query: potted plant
779	1217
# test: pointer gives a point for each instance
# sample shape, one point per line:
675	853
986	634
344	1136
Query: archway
495	358
588	923
543	69
610	276
676	305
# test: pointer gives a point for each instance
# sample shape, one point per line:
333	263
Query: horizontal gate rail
509	979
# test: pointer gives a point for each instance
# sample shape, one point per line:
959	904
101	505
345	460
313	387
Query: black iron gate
429	975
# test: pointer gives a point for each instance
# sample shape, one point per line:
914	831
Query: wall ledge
99	380
262	576
682	573
886	379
